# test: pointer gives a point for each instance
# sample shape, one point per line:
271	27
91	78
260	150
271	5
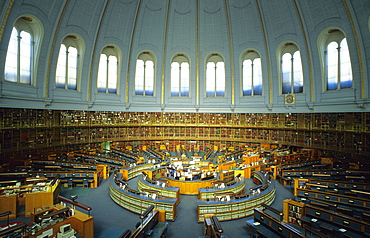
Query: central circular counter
190	187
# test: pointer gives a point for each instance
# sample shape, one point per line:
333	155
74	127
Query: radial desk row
138	202
237	207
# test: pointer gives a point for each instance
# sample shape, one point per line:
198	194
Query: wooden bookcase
41	129
293	212
227	175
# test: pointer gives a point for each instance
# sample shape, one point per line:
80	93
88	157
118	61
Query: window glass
72	68
25	57
257	76
220	79
112	74
215	77
102	73
185	79
298	74
211	81
61	67
252	77
11	57
175	82
247	77
345	66
332	66
286	66
139	77
149	78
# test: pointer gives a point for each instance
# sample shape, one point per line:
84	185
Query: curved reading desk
131	172
231	201
138	202
208	193
165	190
239	207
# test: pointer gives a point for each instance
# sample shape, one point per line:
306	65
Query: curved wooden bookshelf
43	129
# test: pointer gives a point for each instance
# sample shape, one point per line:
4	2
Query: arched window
24	43
252	74
215	76
69	63
108	71
291	70
180	76
338	63
144	75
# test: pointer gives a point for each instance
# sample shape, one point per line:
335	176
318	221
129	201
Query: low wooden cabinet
82	223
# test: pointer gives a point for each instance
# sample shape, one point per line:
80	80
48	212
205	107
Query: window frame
183	90
75	42
251	55
109	51
292	49
148	88
215	59
32	26
336	36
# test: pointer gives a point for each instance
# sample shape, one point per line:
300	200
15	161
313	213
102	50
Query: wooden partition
190	187
8	203
37	200
32	196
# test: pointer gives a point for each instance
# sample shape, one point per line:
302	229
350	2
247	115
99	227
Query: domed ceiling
195	30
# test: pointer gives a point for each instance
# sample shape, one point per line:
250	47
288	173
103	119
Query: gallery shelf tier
24	129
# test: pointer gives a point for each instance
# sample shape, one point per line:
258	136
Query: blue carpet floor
112	231
110	220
